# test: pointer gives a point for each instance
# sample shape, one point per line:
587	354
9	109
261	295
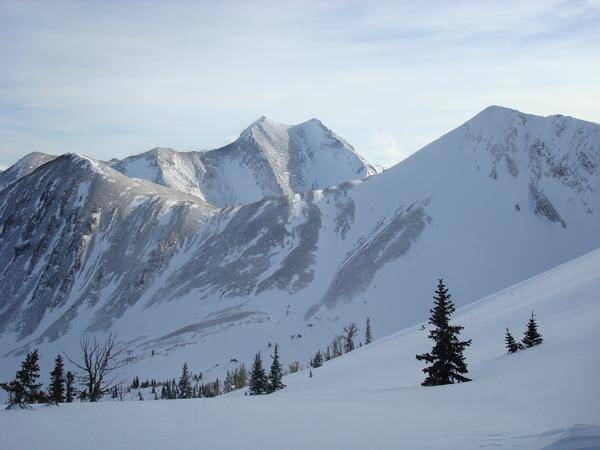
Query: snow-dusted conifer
532	336
24	389
368	332
276	374
56	393
446	361
185	384
512	345
228	382
258	378
70	387
317	360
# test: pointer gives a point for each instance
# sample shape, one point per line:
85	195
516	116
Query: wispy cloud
112	78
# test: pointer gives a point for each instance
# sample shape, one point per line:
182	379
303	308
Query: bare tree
294	367
347	336
336	347
100	361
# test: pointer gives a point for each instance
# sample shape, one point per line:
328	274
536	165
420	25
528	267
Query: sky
110	79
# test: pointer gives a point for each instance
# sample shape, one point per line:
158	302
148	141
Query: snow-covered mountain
268	159
23	167
539	398
497	200
74	228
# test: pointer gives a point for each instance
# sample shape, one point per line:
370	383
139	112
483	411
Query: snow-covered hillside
268	159
539	398
66	239
499	199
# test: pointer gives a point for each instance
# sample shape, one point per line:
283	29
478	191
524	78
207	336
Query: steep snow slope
540	398
501	198
76	233
268	159
305	264
23	167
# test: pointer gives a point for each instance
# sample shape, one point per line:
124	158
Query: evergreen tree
532	337
70	390
24	389
56	393
185	384
512	345
228	382
29	374
258	378
276	375
368	332
174	391
447	363
317	360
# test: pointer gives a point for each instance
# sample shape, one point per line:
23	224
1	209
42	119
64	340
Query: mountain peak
262	125
498	108
23	167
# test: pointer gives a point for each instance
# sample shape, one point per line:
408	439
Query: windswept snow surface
541	398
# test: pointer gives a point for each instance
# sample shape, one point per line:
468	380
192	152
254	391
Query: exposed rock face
76	227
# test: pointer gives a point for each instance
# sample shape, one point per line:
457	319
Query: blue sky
109	79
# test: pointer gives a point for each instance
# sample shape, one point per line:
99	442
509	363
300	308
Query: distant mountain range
268	159
283	236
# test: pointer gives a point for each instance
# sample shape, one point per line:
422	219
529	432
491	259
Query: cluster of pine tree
25	389
236	379
260	382
188	386
446	363
342	343
531	337
136	384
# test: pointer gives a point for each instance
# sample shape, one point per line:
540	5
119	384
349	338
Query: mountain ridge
268	159
474	206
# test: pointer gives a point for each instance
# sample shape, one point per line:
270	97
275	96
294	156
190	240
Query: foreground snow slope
545	397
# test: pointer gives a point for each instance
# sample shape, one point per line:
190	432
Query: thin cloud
110	78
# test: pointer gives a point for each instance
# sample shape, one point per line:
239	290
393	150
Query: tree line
99	362
446	363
